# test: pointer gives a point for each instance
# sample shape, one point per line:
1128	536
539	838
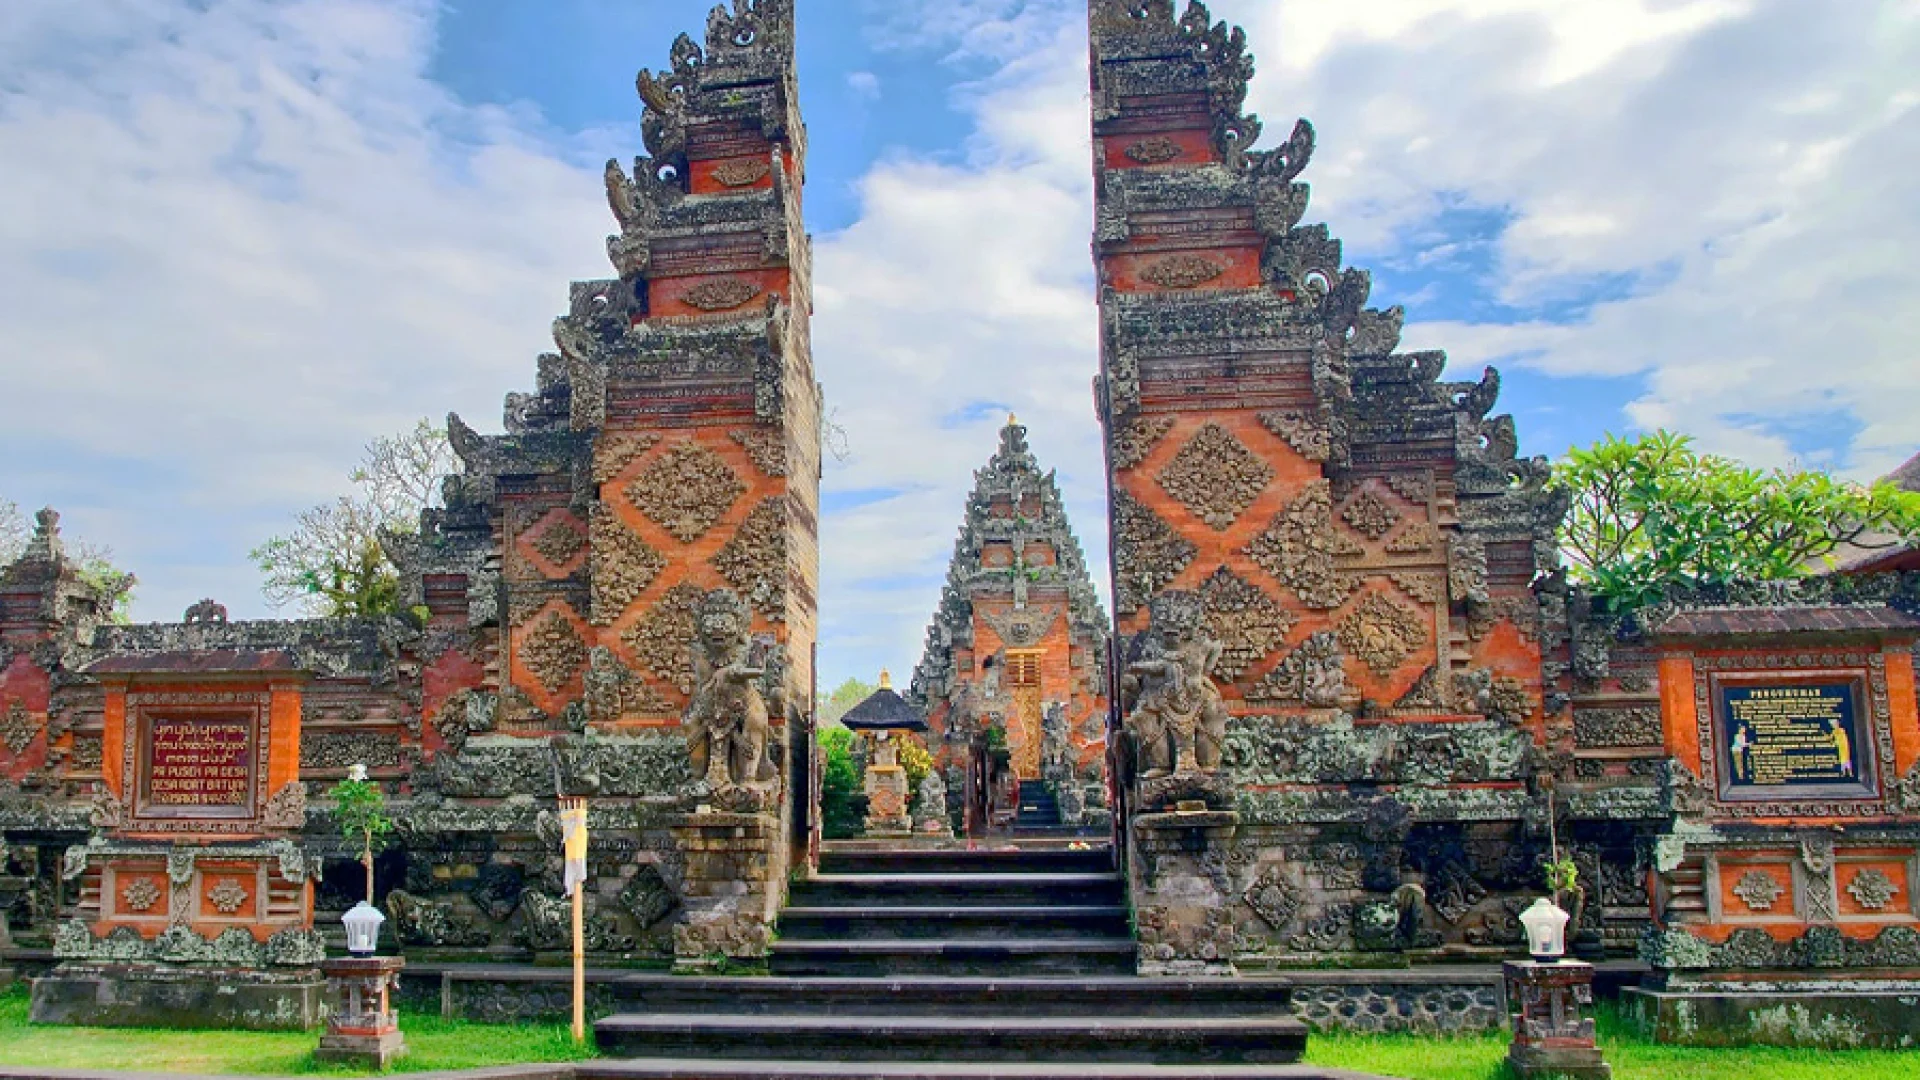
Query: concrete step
1093	996
920	890
1018	1039
709	1069
1096	859
866	923
1058	957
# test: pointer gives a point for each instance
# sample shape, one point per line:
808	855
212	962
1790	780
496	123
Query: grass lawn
439	1044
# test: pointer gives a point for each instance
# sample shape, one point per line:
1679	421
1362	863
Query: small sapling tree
361	807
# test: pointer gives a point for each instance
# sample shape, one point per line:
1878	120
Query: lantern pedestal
362	1029
1552	1036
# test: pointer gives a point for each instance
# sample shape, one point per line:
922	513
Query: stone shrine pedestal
1185	920
725	889
363	1029
1552	1035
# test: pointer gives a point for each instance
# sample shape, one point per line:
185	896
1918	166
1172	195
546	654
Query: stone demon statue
727	720
1177	718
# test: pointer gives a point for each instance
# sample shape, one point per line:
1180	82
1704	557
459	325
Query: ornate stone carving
140	895
559	541
754	561
1175	715
553	651
648	898
1133	442
614	693
930	807
322	749
1606	728
287	809
742	172
1309	435
1156	150
17	728
724	294
418	921
686	490
1148	553
1467	568
765	447
1381	634
1872	889
1243	620
1297	549
1215	477
622	565
727	722
227	897
1418	538
660	641
1314	674
616	452
206	611
1369	514
1181	272
1273	897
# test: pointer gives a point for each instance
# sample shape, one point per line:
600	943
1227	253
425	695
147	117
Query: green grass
439	1044
432	1043
1483	1057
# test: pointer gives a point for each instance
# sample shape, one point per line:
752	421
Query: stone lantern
362	1028
363	924
1547	996
1546	925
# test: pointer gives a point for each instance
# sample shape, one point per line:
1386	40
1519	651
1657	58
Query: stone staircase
1009	963
1038	808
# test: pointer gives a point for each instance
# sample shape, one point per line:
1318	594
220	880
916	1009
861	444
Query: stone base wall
1837	1019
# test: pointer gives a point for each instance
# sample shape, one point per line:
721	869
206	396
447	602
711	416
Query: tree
332	562
92	563
360	806
842	803
842	700
1653	514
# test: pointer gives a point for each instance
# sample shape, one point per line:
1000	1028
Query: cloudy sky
243	237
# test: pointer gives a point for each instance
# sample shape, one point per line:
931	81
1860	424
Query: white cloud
864	84
244	241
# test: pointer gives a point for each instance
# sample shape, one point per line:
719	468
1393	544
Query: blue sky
247	236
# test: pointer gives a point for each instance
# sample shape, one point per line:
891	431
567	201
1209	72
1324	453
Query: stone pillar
1184	901
362	1030
886	788
726	889
1552	1036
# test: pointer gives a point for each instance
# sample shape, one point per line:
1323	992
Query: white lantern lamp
1546	926
363	928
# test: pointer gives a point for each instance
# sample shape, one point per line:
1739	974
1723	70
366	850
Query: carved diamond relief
662	640
140	895
616	452
1758	890
742	172
1381	634
1872	889
553	652
1182	272
1314	674
1157	150
1215	477
17	728
227	897
1370	515
755	560
1305	432
1298	549
1247	623
1418	538
559	540
1147	552
622	565
1273	898
722	295
765	447
1132	443
686	490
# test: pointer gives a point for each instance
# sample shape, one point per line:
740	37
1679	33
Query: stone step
993	889
1098	995
1050	921
709	1069
1058	957
1095	859
1021	1039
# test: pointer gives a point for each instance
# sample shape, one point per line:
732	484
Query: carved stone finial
206	611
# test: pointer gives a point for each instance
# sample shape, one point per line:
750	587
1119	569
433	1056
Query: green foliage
1653	514
917	761
333	563
360	806
842	802
996	737
1562	876
843	698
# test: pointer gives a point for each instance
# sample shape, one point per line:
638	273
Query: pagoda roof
884	710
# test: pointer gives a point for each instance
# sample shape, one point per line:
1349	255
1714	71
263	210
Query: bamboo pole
576	808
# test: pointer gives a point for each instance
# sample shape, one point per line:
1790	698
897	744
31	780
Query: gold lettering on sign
199	763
